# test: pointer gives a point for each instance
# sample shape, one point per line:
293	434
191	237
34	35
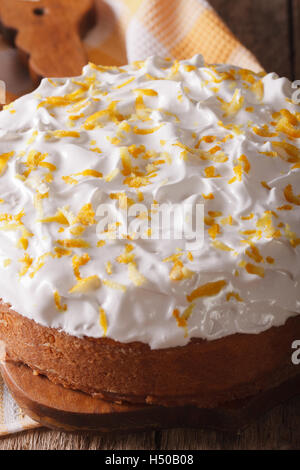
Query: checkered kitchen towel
12	419
134	29
131	30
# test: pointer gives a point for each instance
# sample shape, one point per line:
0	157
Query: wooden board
48	34
60	408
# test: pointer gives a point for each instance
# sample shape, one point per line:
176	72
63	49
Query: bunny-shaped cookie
47	33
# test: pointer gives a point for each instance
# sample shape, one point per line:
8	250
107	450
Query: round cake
99	292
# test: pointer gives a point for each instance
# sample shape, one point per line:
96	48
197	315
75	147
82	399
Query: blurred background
270	29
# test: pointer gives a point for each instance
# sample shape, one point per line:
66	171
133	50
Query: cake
115	310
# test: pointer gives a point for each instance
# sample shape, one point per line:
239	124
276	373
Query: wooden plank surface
264	26
279	429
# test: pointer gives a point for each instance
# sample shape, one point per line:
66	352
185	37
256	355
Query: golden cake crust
204	373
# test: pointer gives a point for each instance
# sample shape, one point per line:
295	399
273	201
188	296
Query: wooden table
271	30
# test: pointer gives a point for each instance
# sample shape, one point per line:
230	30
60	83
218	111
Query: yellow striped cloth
131	30
12	419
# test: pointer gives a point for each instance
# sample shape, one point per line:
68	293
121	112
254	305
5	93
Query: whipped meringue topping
157	131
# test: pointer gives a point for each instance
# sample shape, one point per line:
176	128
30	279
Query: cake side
203	373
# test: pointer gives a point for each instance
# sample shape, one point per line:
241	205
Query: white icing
146	312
